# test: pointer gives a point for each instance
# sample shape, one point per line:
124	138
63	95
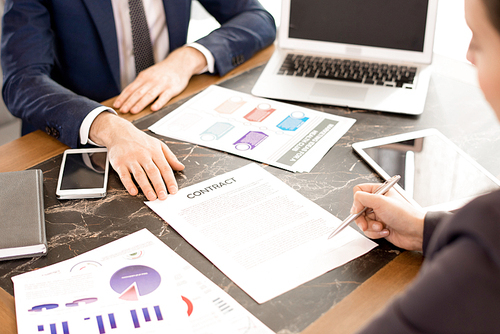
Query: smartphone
83	174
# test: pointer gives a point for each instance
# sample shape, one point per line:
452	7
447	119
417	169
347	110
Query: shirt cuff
208	56
87	122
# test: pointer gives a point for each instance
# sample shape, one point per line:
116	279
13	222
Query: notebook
363	54
22	222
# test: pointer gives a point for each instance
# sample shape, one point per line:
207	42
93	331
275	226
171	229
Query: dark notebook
22	218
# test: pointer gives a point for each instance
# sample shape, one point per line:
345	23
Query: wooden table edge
371	297
7	313
38	147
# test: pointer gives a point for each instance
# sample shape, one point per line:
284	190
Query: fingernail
162	195
173	189
151	195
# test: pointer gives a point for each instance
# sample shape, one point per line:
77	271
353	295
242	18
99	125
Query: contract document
266	237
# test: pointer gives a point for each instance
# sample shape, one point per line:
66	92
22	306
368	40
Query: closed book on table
22	218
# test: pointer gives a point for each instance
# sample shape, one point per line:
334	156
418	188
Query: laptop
363	54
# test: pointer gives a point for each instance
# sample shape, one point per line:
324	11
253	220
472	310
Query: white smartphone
83	174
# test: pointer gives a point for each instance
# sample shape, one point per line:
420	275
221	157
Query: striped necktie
141	40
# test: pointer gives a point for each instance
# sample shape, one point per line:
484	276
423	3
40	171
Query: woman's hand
389	216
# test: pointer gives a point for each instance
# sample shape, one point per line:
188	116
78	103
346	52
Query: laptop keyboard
348	70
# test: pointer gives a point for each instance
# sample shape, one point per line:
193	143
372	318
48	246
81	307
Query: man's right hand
135	153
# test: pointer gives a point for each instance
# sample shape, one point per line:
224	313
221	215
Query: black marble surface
73	227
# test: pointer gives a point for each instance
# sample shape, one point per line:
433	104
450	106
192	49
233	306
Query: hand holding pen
394	218
381	190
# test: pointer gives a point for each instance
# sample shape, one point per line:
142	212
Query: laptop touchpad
339	92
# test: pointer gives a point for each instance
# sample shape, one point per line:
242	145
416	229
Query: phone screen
84	170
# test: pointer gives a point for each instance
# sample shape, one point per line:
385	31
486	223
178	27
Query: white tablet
435	173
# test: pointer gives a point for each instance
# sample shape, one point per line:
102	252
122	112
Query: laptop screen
393	24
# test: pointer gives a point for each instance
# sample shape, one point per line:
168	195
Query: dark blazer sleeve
28	58
431	222
246	27
60	56
457	289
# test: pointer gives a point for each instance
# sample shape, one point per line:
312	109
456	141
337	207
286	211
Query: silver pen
384	188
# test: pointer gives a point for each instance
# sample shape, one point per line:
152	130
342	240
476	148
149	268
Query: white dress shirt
155	15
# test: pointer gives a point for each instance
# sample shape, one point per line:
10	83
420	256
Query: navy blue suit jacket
61	56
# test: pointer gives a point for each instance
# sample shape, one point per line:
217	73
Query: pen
384	188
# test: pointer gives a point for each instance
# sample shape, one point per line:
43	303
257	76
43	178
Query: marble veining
76	226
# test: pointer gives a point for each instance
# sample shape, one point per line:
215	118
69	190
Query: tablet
435	173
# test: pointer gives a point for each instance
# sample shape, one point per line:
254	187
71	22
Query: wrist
101	130
418	232
193	60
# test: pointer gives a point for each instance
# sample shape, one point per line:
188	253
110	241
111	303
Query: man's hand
133	152
161	82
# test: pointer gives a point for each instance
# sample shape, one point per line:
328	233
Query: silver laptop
365	54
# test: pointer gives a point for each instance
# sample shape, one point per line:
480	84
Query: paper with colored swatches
279	134
135	284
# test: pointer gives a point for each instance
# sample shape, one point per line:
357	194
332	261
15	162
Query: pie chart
189	305
134	281
85	265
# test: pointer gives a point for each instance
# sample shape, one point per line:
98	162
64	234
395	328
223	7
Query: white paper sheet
93	294
280	134
265	236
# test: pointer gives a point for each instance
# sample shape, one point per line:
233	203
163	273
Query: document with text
276	133
265	236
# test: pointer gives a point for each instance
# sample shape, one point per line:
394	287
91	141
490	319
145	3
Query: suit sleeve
431	222
28	56
457	289
456	292
246	27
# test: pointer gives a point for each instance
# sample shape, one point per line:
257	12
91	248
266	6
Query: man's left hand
161	82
